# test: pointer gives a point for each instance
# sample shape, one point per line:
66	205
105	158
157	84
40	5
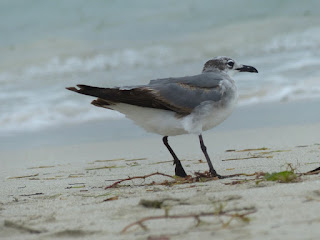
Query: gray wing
180	95
186	93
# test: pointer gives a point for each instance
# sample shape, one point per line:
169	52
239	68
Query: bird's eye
230	64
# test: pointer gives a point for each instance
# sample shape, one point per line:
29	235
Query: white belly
166	123
207	117
153	120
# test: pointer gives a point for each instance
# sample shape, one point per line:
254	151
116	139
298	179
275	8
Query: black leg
179	171
204	150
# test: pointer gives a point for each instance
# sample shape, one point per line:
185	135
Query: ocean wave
122	58
305	90
287	62
267	41
37	118
307	39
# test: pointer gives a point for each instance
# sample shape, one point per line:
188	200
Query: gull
176	106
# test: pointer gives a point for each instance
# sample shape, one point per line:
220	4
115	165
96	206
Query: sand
57	191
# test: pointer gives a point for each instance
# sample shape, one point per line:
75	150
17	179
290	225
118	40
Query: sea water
48	45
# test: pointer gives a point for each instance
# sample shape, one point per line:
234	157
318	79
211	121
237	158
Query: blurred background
49	45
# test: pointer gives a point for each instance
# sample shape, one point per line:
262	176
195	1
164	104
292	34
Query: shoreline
275	114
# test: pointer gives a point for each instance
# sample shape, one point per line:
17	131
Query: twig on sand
199	177
195	216
204	177
21	227
137	177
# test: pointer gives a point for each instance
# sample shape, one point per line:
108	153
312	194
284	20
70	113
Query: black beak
246	68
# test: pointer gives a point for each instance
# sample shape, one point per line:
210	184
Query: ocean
47	46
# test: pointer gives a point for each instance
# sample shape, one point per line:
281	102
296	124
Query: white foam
307	39
128	58
31	118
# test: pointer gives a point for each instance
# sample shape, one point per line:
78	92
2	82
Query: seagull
176	106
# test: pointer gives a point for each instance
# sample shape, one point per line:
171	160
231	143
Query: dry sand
57	196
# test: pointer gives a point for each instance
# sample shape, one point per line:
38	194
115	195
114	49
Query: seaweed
283	177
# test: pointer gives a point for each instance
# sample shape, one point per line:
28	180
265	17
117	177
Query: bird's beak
245	68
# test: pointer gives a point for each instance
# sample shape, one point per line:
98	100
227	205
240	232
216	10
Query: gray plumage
180	95
174	106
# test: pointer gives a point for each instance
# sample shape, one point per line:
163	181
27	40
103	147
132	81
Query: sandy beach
57	191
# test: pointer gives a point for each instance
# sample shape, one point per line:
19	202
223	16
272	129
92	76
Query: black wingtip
72	89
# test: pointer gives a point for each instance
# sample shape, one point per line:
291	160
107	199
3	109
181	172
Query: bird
177	105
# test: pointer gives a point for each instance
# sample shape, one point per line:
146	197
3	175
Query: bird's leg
179	171
204	150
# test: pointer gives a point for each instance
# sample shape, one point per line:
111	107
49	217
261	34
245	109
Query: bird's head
227	65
